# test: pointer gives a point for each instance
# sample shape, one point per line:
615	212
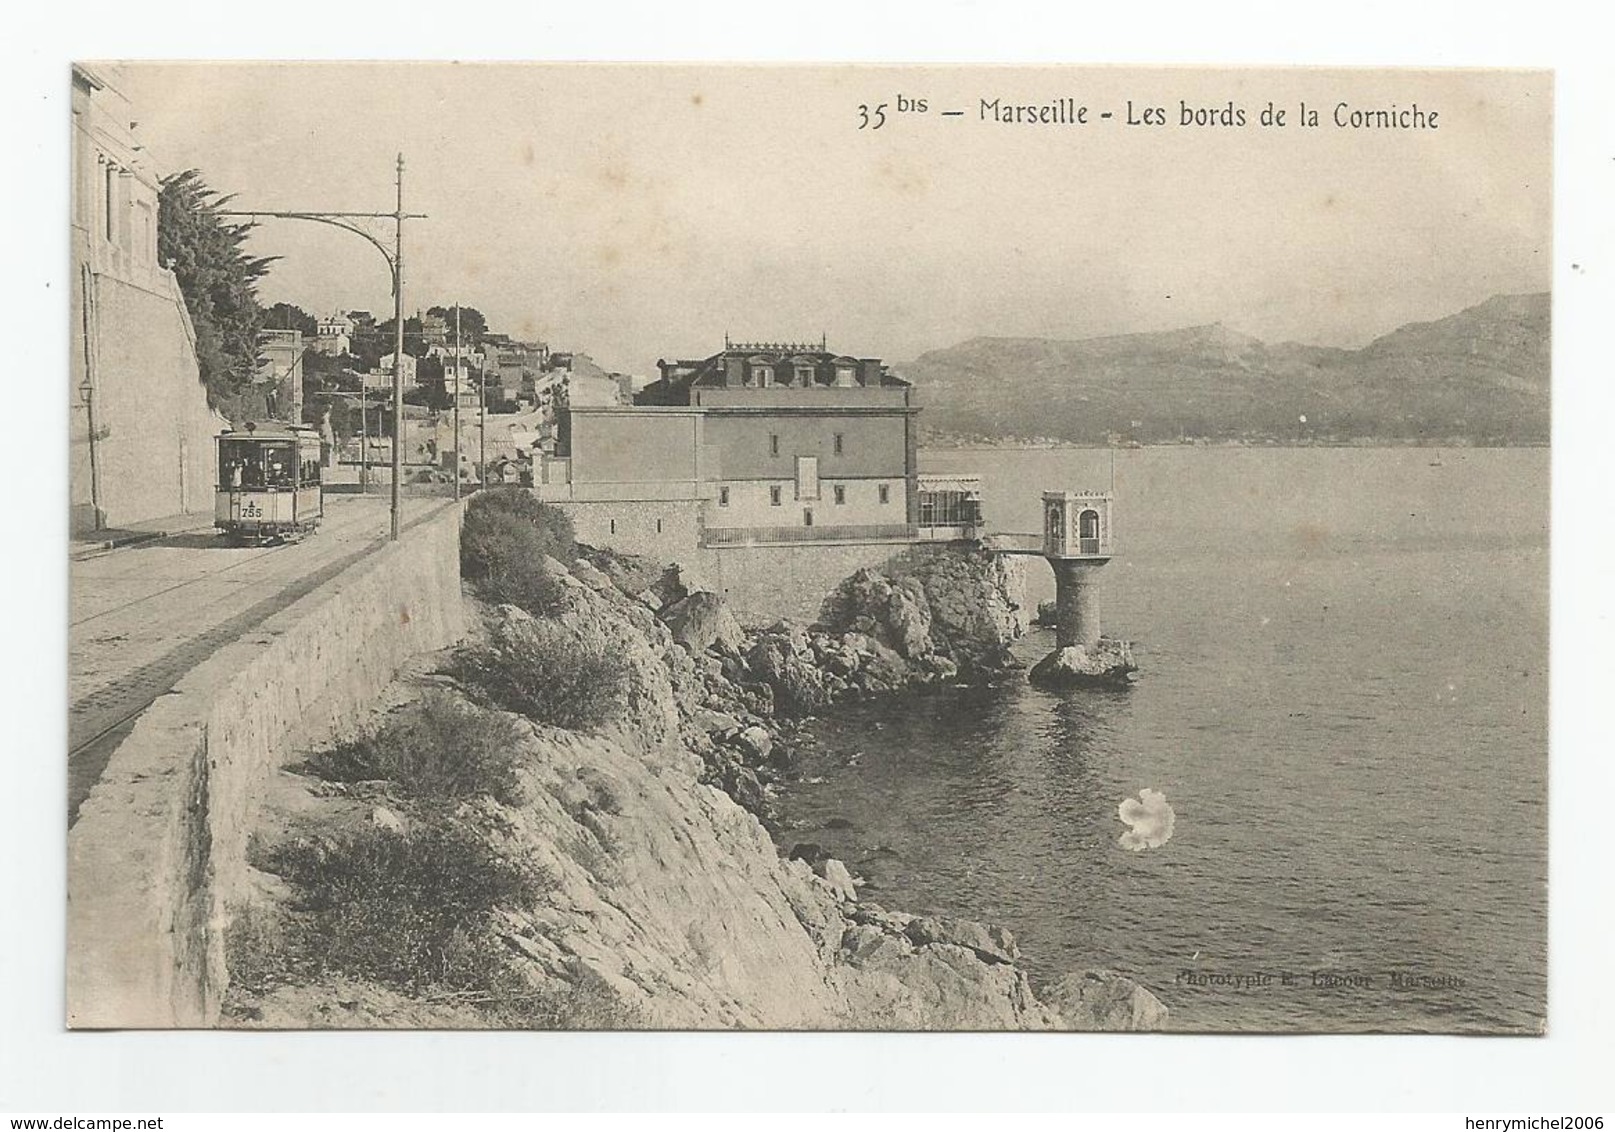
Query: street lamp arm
338	220
395	264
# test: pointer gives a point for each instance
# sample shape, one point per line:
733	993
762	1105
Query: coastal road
142	616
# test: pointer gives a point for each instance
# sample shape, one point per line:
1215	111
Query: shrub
580	999
552	526
440	749
550	676
504	557
506	536
408	910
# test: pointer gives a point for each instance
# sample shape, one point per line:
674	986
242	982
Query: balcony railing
765	536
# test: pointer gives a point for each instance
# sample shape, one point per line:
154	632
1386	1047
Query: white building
385	366
590	392
334	335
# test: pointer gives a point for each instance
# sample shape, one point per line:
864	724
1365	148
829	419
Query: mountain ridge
1479	375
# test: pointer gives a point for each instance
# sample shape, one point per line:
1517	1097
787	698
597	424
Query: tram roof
268	430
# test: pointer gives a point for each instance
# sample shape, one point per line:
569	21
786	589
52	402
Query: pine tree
219	281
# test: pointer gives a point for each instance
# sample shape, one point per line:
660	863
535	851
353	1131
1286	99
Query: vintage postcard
809	547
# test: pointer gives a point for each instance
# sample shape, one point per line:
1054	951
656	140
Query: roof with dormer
784	359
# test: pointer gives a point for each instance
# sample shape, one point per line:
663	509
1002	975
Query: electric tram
269	483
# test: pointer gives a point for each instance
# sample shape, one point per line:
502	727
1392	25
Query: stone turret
1077	543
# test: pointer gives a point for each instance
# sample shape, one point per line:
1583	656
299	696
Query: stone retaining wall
159	849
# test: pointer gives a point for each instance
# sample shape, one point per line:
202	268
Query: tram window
279	466
240	464
310	472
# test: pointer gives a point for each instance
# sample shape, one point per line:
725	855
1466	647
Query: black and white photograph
812	547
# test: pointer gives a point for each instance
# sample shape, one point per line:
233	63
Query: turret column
1076	602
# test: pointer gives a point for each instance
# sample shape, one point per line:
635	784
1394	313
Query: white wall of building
751	504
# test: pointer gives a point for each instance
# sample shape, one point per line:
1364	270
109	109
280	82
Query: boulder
714	722
755	742
835	874
938	987
873	915
1103	1000
863	944
743	785
587	573
990	944
384	819
786	664
632	574
894	612
1108	662
702	621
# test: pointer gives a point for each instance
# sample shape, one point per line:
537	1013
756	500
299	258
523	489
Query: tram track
101	717
199	579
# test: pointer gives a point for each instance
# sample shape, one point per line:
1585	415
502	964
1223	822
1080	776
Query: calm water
1343	696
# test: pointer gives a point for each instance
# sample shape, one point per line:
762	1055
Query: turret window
1088	531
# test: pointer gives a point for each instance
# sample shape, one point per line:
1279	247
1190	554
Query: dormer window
763	375
846	377
804	376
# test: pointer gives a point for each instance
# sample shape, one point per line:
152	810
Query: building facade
280	371
333	335
800	439
382	376
756	445
140	429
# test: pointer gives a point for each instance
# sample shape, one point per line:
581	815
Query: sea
1343	697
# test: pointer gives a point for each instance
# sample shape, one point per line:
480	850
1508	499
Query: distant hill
1479	376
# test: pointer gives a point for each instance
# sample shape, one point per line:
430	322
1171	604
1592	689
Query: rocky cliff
628	878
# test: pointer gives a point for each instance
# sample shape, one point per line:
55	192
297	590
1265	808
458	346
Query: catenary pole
351	222
398	348
456	400
482	430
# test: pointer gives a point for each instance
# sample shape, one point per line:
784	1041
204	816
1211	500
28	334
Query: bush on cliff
554	528
439	749
408	910
504	541
550	676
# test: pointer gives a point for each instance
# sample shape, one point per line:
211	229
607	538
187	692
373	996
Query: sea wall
158	852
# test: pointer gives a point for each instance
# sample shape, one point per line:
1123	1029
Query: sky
639	212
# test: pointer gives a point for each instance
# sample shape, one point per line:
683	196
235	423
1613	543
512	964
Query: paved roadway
142	616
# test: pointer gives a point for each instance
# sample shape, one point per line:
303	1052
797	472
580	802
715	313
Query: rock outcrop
962	605
1108	662
700	622
1103	1000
